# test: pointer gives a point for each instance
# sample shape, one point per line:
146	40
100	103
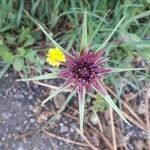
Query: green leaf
29	41
84	39
42	77
112	33
99	104
18	64
4	70
21	51
112	104
31	56
8	57
81	109
3	49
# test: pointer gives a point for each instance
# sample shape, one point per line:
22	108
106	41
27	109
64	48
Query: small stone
141	109
20	148
63	129
32	120
94	119
30	107
72	130
73	125
14	90
65	122
25	122
36	109
95	139
30	97
3	138
6	115
19	104
18	128
43	117
59	100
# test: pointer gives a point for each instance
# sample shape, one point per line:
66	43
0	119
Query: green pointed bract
50	38
84	39
108	99
81	108
42	77
56	92
46	33
126	69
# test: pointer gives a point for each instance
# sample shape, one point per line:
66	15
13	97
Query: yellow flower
55	56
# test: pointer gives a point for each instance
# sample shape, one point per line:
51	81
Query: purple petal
65	74
74	53
99	62
87	86
99	54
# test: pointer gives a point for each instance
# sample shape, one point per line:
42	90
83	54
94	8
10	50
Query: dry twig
113	129
147	99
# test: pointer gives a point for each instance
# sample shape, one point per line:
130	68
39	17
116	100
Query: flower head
55	56
85	70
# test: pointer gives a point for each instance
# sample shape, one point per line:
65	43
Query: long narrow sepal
66	83
126	69
84	40
46	33
42	77
81	95
112	104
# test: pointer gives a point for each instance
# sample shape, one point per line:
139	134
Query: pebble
18	128
20	148
63	129
141	109
95	139
72	130
30	97
30	107
18	95
94	119
32	120
59	100
6	115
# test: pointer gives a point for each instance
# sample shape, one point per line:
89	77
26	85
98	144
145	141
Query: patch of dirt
19	129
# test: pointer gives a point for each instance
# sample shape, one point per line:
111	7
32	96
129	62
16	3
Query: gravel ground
16	119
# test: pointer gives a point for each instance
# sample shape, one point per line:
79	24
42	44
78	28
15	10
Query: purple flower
84	70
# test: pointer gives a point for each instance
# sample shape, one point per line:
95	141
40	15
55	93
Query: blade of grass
97	29
112	33
19	16
141	15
